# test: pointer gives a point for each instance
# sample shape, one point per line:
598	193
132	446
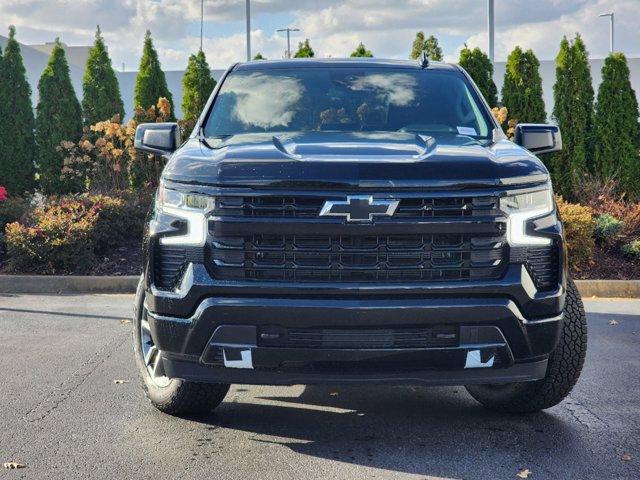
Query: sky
334	27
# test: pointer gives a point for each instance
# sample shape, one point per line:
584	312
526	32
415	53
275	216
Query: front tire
563	369
169	395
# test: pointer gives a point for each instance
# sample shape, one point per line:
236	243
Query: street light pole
610	15
288	30
248	2
490	29
201	21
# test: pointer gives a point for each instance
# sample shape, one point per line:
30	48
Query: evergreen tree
429	45
434	52
418	45
17	142
101	98
361	51
197	85
573	111
522	88
617	132
58	118
259	57
304	50
479	67
151	83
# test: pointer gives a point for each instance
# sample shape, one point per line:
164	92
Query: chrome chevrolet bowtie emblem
358	208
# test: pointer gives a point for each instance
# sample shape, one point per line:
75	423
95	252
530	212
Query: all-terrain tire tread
563	369
191	398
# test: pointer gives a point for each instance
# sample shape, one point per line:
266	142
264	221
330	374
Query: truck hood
326	160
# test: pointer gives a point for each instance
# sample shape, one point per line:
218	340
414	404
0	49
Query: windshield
431	102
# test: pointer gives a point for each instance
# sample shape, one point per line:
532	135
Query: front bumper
222	339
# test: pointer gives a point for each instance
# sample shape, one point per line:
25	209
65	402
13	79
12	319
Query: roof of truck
340	62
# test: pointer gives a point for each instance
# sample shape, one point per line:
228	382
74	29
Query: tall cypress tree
522	87
479	67
418	45
573	110
197	85
17	142
617	132
361	51
101	98
431	46
58	118
304	50
151	83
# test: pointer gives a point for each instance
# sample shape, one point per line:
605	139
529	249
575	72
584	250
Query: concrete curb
609	288
53	284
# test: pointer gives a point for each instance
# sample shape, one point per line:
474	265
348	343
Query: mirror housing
157	138
538	137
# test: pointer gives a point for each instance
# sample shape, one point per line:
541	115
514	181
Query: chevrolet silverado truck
354	222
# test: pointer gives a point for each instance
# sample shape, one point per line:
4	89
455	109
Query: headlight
522	207
191	207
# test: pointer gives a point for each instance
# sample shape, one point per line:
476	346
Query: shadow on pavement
439	431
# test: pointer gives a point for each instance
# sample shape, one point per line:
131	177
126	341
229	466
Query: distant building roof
76	55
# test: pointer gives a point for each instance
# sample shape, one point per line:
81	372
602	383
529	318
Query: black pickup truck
354	221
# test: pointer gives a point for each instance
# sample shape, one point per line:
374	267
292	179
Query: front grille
331	250
309	207
358	258
360	338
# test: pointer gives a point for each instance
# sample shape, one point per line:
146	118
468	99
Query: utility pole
201	21
610	15
288	30
248	30
490	29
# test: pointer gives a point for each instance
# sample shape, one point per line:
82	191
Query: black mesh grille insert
378	338
168	265
542	265
358	258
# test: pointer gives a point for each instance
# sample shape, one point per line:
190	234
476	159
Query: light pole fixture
490	29
610	15
201	21
248	30
288	30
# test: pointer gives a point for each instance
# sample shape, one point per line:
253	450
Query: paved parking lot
63	416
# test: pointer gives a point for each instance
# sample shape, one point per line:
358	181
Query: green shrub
607	227
57	240
120	219
632	249
579	229
12	209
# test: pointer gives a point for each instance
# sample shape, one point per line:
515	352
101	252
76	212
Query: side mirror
538	137
157	138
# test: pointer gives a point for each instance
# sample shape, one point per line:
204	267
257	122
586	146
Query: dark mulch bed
121	261
608	264
125	260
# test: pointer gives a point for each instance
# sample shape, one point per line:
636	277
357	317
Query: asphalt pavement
64	416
